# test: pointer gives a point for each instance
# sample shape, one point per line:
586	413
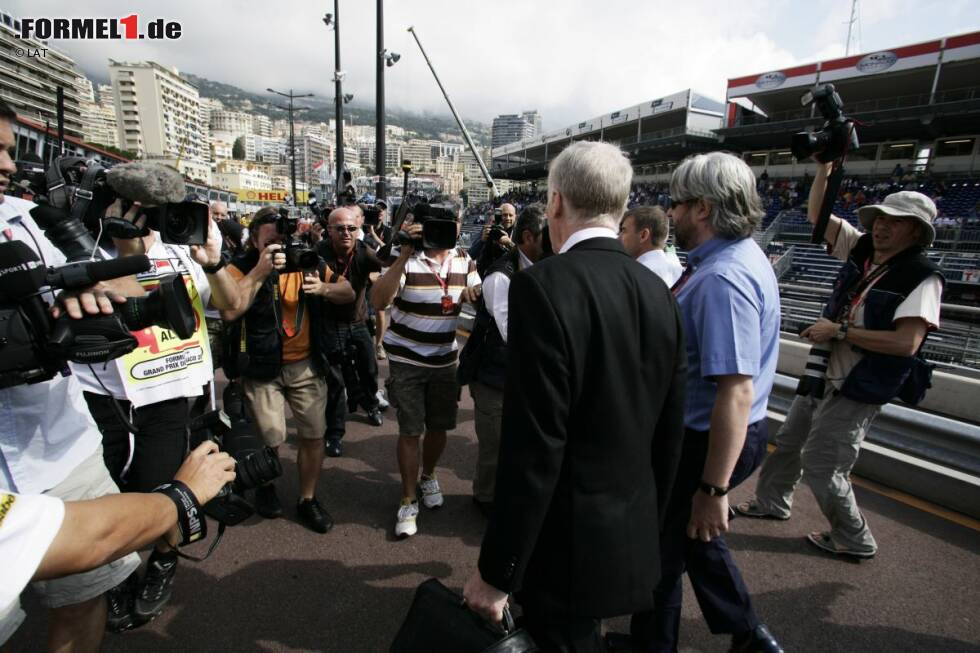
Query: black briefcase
439	621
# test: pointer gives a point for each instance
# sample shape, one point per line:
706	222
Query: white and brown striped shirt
420	332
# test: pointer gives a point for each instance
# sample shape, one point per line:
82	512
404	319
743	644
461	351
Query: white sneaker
382	402
407	514
431	492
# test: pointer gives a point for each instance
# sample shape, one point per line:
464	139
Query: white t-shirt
167	259
496	287
666	266
28	526
45	428
923	302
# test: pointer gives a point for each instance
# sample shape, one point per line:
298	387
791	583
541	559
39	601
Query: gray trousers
820	442
488	406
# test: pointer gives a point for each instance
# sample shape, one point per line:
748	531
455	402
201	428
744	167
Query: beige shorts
89	480
304	390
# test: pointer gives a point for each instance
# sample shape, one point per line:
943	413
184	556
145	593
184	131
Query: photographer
279	353
48	442
143	418
483	361
425	285
44	538
350	350
378	236
495	241
885	302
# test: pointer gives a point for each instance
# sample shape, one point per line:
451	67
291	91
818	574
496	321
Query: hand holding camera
206	470
312	285
208	254
271	258
413	231
87	301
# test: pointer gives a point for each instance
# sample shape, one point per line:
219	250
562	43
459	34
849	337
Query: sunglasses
341	228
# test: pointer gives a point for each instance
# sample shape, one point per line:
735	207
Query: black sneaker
120	600
267	501
334	448
374	417
157	586
314	516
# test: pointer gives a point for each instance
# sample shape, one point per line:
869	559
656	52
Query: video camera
255	464
440	229
497	231
837	135
75	193
299	256
34	347
372	215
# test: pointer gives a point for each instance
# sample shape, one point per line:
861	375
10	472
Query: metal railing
784	263
763	238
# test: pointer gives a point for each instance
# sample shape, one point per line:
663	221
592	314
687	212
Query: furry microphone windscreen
150	184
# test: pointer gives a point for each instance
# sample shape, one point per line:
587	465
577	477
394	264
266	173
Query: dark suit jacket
591	434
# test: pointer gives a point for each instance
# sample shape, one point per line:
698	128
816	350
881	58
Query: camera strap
284	330
191	524
83	193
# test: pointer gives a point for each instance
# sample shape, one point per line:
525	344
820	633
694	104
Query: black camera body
496	233
372	215
182	223
255	464
34	347
837	135
439	228
299	256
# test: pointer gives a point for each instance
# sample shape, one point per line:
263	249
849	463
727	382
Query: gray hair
727	183
594	179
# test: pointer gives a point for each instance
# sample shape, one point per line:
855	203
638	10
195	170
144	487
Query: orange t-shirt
297	347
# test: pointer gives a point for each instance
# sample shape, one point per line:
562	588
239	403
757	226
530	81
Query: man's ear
646	234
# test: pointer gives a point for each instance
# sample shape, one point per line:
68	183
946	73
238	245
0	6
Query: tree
238	149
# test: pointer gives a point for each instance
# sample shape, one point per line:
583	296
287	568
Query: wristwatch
213	269
712	490
841	330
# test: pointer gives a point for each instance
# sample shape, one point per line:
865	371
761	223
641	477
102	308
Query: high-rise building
158	112
314	157
534	119
510	128
98	120
232	122
29	84
261	125
393	157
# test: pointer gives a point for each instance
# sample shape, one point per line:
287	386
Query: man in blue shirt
729	303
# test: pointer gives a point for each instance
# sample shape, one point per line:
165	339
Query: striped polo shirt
420	333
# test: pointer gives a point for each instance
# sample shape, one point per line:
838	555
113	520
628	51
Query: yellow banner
252	196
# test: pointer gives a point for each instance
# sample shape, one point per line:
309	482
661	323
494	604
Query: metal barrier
784	263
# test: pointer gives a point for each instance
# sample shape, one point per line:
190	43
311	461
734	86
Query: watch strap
712	490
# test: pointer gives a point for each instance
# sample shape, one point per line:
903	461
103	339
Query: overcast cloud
571	60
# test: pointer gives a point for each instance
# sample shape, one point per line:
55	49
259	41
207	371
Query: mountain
426	126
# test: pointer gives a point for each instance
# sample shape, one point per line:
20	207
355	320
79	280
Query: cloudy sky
570	59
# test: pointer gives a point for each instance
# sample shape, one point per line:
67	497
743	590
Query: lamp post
292	140
338	77
385	59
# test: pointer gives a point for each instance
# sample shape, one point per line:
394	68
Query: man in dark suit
592	421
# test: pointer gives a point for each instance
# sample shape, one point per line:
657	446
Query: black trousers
158	450
563	635
338	337
718	586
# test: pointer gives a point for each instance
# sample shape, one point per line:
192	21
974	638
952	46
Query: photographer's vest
879	378
253	344
484	358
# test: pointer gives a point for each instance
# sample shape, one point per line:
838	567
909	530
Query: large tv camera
255	464
74	193
837	135
440	229
299	256
34	347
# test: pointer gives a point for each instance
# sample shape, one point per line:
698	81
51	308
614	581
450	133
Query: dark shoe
267	502
120	599
314	516
374	417
157	586
333	448
759	640
619	643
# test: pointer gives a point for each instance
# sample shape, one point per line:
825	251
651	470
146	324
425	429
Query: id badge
447	305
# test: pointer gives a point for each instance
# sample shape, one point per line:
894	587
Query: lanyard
297	326
859	294
446	303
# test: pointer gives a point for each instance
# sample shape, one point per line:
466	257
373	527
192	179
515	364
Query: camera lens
179	225
169	307
257	468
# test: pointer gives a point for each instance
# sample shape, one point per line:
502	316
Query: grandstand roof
663	129
925	89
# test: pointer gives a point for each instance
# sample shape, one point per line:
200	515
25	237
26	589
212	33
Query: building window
780	158
955	147
863	153
892	151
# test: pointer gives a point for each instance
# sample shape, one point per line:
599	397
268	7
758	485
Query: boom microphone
149	184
